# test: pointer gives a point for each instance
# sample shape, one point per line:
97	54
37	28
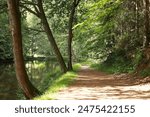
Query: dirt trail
95	85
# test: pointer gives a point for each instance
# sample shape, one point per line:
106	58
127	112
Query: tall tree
70	32
144	63
147	23
50	35
38	11
15	21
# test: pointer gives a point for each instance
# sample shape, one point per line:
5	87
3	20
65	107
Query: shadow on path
95	85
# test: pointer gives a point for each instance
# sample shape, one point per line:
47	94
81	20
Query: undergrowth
117	62
59	81
145	72
116	67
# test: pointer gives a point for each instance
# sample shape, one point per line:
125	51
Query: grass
59	83
76	67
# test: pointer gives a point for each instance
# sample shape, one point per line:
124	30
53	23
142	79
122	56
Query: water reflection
36	71
8	82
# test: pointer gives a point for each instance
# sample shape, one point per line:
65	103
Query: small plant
76	67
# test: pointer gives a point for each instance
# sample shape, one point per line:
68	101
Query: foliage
76	67
58	84
98	28
145	72
5	41
119	66
112	32
59	81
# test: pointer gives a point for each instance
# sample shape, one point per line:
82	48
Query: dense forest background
114	34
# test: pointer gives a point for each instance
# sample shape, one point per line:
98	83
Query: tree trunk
70	33
15	21
51	37
145	62
137	18
147	24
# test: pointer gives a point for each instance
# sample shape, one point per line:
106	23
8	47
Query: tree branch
33	4
77	3
36	30
28	3
29	10
36	9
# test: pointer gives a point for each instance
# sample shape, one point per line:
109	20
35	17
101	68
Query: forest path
96	85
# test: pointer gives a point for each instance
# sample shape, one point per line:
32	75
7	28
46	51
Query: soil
96	85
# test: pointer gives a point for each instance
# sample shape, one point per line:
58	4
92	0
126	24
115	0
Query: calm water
36	71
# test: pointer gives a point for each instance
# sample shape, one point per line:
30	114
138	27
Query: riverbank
60	83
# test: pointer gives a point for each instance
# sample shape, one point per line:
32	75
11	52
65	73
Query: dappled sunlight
94	85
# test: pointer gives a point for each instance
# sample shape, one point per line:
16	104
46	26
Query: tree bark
137	17
15	22
70	36
147	24
51	37
70	33
145	61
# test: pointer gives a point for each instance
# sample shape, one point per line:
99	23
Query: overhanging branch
31	11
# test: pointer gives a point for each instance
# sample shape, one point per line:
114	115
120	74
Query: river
37	71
